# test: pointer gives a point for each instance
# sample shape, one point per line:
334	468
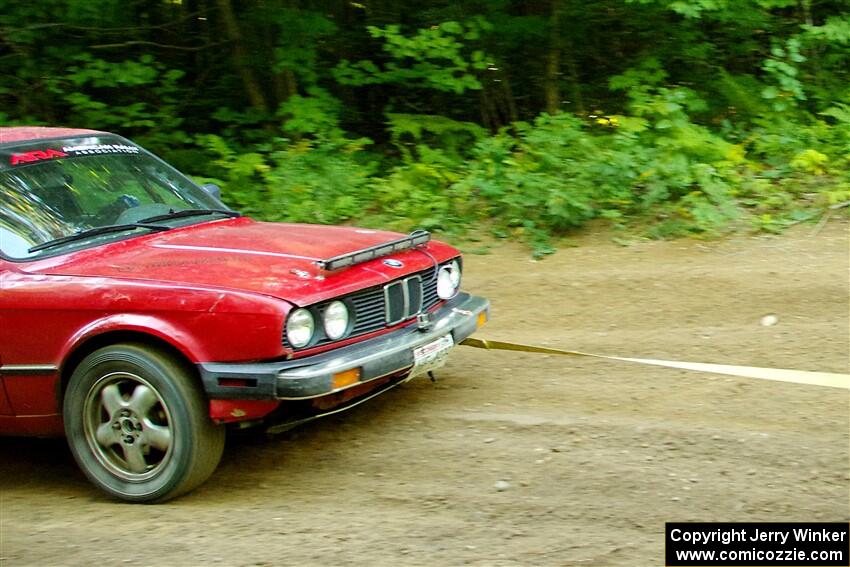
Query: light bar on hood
412	240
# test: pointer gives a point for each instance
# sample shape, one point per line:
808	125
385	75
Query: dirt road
596	455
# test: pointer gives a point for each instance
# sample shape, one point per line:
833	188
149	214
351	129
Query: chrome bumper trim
24	369
312	377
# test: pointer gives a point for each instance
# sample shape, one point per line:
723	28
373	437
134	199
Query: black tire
138	424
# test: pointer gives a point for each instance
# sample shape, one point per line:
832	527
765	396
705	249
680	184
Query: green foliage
433	58
108	95
423	131
536	182
316	114
810	161
678	117
782	68
296	47
322	181
560	172
419	195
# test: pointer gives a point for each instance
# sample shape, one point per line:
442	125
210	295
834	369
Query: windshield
54	189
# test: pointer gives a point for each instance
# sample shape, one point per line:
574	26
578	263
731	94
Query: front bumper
312	377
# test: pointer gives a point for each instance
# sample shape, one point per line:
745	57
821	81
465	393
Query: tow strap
828	379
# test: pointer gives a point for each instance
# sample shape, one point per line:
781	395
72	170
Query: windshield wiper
191	213
143	223
88	233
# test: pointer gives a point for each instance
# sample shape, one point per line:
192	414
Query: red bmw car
140	317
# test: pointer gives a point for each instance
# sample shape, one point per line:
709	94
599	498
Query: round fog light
336	320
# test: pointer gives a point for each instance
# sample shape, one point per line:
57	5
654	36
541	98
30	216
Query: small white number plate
431	356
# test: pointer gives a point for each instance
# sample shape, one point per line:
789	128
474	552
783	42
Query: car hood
273	259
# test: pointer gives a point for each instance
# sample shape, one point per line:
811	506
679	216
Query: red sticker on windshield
37	155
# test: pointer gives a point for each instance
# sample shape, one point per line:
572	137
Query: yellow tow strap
829	379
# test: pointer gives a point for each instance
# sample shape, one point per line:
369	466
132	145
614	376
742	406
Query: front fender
46	318
199	336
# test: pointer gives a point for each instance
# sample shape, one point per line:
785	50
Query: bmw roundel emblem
394	263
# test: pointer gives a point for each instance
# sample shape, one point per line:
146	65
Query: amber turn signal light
482	318
345	378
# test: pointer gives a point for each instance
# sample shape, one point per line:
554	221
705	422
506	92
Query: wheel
138	424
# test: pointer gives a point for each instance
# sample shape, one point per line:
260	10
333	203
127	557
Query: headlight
455	273
448	280
300	327
336	320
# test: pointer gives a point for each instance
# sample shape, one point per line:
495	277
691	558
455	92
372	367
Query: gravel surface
521	459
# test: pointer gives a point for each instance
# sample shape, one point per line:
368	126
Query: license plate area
431	356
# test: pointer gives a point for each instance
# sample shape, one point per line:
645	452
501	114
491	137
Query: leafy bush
691	118
433	58
109	94
316	181
653	166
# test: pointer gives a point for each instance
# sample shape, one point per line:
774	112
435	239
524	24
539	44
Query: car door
5	406
27	341
28	378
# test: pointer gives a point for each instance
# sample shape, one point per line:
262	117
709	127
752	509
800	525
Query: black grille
369	307
414	295
394	295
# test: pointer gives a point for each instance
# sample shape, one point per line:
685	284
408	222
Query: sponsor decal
97	149
394	263
37	155
72	151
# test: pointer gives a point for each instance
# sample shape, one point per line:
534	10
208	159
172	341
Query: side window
12	243
25	220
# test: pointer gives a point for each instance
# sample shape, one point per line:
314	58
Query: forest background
524	118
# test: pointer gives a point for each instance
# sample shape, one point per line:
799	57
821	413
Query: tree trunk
552	91
285	85
284	81
575	83
497	105
240	57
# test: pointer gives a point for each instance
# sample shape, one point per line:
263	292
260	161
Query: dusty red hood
270	258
